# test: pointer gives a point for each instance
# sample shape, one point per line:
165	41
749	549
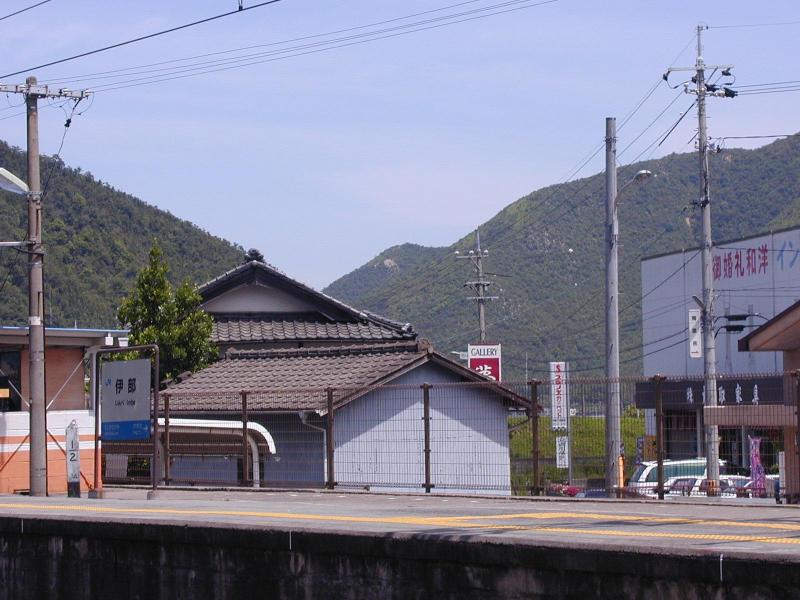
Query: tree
173	319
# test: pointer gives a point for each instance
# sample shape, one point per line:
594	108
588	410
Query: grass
587	446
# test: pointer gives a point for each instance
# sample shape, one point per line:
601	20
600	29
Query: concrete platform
331	544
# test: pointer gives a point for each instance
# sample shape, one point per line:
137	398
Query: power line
238	63
769	91
27	8
748	25
772	83
273	44
754	137
140	38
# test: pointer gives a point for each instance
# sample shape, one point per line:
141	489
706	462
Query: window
9	381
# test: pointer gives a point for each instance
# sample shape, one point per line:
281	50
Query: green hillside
547	252
96	240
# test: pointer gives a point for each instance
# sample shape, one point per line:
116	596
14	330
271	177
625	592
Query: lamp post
37	411
613	470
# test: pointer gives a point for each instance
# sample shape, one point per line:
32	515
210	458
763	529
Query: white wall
380	438
257	298
767	284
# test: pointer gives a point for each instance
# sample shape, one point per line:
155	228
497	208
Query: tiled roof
290	379
263	329
209	288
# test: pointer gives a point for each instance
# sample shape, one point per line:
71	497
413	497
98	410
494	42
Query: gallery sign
486	359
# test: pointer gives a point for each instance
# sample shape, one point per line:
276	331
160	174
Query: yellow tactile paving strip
497	522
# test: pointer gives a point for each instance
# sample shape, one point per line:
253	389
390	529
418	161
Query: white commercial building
757	276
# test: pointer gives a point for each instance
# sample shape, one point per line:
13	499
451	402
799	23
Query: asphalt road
748	529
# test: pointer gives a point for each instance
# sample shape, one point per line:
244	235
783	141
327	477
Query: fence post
166	440
426	417
533	417
245	447
156	392
658	379
331	481
795	496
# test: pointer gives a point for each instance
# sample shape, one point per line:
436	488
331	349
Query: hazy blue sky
323	160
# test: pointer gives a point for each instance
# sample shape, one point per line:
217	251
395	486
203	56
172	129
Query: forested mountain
547	253
96	240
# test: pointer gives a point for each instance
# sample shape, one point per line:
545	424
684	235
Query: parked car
748	489
644	480
698	486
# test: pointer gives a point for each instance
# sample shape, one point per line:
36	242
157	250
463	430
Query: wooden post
245	446
536	487
658	379
793	497
426	417
331	481
166	439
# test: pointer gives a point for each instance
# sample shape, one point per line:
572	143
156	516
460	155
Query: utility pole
479	285
36	365
614	467
703	89
613	409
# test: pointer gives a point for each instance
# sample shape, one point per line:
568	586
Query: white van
644	480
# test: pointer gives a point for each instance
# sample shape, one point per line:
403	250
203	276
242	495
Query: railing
473	438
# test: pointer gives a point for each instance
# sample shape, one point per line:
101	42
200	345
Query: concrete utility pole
479	284
614	467
701	90
38	418
613	409
36	365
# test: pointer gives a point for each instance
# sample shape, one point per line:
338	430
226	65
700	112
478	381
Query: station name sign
125	400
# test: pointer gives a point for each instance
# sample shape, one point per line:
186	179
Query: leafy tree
173	319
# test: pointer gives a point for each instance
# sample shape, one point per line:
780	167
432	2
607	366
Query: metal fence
473	438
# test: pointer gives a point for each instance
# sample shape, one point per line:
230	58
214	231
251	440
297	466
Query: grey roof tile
289	379
263	329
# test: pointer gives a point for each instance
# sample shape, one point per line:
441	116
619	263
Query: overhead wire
86	76
139	39
284	54
22	10
750	25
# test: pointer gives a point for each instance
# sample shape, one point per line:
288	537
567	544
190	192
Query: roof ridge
310	351
360	314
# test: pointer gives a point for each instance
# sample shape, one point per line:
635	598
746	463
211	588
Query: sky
323	160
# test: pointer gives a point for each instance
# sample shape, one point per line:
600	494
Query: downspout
303	416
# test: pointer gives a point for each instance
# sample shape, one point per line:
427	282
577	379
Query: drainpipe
303	415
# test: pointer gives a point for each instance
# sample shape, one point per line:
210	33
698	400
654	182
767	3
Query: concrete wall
15	450
88	560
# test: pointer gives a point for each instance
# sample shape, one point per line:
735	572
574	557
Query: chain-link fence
549	437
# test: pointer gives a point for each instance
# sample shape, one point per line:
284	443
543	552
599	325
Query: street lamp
11	183
614	471
36	385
